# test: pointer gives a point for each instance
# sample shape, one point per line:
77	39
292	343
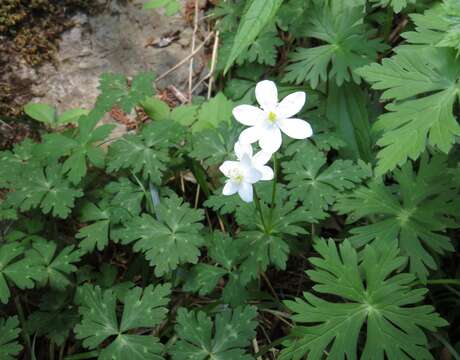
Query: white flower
245	172
267	122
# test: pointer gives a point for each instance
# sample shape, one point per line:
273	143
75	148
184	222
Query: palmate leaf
147	152
263	50
56	317
226	257
9	333
16	269
172	239
438	26
261	248
374	296
317	185
143	308
12	162
44	188
80	148
347	47
226	338
413	123
412	215
56	265
258	14
115	91
213	146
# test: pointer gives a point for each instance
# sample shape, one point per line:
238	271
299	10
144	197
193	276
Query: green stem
444	282
272	206
447	345
150	206
259	209
388	24
22	319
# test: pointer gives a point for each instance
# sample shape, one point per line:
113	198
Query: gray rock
115	41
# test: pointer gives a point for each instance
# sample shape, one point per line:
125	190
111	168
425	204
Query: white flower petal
250	135
267	95
252	175
247	114
291	105
241	148
230	188
295	128
261	158
271	140
245	192
227	166
267	173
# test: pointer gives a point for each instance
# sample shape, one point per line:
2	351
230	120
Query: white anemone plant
266	124
272	117
245	172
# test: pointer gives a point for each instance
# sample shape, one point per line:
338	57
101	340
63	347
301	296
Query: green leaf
171	240
156	109
9	333
413	123
258	14
56	266
261	248
127	198
372	294
12	162
213	146
346	108
233	331
317	184
71	116
397	5
412	215
115	91
44	188
146	153
95	235
171	6
348	46
214	112
41	112
226	257
438	26
79	149
99	321
17	269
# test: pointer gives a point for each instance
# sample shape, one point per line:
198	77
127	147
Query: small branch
215	48
190	69
187	58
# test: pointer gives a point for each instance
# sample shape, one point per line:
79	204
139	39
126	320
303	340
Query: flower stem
259	209
272	206
444	282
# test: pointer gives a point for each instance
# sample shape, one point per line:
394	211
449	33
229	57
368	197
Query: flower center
236	175
272	117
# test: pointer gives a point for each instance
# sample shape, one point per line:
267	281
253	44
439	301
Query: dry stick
256	348
190	69
187	58
213	62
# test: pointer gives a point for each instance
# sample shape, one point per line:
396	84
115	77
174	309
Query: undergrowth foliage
138	247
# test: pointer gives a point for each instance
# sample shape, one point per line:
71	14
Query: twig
197	196
190	69
181	97
187	58
255	345
270	286
215	48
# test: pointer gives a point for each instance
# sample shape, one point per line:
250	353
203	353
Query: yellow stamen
271	116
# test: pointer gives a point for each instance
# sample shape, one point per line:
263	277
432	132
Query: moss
29	32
